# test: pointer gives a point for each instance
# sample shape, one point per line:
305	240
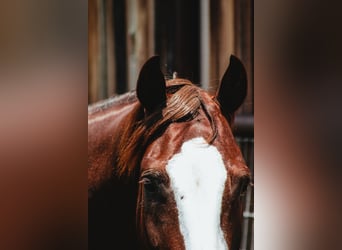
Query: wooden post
93	45
222	43
111	64
244	46
205	43
140	36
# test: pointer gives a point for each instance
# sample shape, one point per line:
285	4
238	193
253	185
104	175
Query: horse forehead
197	154
170	143
166	146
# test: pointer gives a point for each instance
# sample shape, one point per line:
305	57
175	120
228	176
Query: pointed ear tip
151	62
234	59
155	59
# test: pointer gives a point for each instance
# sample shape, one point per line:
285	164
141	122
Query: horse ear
151	85
233	88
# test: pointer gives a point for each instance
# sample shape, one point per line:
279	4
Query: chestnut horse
164	170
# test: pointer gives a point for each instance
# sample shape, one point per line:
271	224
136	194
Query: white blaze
198	175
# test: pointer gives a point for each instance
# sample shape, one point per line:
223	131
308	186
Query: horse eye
154	188
149	185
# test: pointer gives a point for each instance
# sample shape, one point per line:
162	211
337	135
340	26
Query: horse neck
110	115
104	130
111	202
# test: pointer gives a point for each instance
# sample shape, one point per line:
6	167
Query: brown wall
123	34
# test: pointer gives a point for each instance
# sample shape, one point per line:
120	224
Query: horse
164	170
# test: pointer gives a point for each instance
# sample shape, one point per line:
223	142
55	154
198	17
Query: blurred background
194	38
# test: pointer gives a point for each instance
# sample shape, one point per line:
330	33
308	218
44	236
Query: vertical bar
205	43
102	88
246	219
222	38
92	50
144	33
244	45
119	10
131	42
252	238
140	36
110	48
151	27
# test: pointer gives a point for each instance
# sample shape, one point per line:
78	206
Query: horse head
191	173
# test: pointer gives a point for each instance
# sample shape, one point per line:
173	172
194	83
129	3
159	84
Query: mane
183	104
126	98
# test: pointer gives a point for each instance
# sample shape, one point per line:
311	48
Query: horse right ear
233	88
151	86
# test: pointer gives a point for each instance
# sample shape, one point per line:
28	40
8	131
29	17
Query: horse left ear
151	86
233	88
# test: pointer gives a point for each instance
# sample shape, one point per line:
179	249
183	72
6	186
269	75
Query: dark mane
126	98
183	104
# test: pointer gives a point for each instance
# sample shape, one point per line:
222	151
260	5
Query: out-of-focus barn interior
194	38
